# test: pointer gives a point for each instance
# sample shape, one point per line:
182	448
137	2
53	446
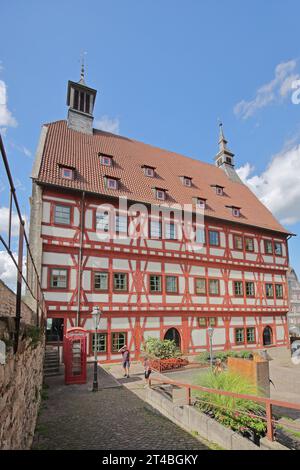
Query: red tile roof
67	147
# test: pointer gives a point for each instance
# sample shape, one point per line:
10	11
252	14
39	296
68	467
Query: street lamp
96	314
210	332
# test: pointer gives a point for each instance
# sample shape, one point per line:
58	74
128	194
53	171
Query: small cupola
81	100
225	158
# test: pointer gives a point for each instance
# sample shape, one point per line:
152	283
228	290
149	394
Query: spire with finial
82	69
224	157
222	140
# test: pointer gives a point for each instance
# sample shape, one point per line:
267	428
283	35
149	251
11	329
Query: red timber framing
140	313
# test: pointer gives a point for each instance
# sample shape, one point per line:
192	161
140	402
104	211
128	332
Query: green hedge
223	355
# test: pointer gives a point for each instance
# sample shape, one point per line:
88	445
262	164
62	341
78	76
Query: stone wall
21	379
8	305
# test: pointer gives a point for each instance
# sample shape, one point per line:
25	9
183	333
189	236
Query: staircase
51	361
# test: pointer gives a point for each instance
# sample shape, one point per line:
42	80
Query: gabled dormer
81	100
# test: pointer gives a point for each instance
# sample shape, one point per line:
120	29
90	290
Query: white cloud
4	218
22	149
8	270
278	187
105	123
277	89
6	117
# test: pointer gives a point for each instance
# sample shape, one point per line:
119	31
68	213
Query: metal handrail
38	296
268	402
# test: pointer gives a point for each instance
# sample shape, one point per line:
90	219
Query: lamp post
96	314
210	332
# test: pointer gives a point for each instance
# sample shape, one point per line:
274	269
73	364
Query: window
155	283
106	160
170	231
101	281
236	212
67	173
219	190
118	340
121	224
100	343
238	242
278	248
213	238
160	194
120	281
249	244
268	247
250	332
155	229
279	291
59	278
200	235
62	215
187	181
212	321
269	291
239	335
201	203
112	183
238	288
149	171
171	284
82	101
213	286
202	321
102	221
200	286
250	289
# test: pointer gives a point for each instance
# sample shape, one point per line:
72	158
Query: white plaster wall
119	323
172	321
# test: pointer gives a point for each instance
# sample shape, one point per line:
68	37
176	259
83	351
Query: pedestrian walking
125	360
147	370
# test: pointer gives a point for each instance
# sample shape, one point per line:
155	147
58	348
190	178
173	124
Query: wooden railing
268	402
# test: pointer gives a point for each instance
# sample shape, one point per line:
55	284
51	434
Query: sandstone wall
8	305
20	385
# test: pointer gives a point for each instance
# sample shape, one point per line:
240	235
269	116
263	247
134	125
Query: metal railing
32	283
268	402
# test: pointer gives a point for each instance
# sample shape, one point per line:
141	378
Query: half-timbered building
90	187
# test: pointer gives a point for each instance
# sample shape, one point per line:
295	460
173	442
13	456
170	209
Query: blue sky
165	71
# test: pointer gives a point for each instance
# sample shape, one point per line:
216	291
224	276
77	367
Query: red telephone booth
75	345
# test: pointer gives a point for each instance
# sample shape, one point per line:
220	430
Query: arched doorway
173	335
267	336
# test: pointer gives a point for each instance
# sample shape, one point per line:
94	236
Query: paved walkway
73	417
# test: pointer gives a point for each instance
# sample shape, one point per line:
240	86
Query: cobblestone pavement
73	417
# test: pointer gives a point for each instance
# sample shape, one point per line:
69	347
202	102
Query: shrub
203	357
229	410
223	355
161	349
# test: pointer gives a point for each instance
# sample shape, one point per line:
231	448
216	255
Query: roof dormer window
160	194
186	181
219	189
149	171
67	172
236	211
201	203
111	183
106	159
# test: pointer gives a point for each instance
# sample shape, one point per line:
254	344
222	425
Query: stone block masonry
8	305
21	379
